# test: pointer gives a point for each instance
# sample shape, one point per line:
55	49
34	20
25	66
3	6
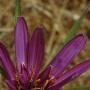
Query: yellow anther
46	83
36	89
38	80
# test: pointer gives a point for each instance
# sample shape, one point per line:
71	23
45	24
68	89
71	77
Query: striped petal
71	74
67	54
21	42
6	62
36	51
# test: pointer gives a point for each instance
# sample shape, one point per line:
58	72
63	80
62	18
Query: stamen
32	73
38	80
36	89
17	79
45	85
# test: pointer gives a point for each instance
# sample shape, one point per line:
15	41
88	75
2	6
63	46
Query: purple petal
6	62
67	54
21	42
24	76
10	85
45	75
71	74
36	51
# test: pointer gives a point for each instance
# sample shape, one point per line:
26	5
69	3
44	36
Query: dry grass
57	17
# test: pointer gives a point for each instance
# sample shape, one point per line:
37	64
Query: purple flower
29	60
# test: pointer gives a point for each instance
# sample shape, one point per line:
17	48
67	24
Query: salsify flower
27	75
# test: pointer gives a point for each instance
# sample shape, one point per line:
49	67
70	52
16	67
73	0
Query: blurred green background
57	17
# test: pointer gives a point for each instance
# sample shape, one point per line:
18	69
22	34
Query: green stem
18	9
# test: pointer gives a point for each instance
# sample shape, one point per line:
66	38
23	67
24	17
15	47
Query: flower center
36	85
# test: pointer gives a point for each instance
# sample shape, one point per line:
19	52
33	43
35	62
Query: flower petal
66	55
21	42
71	74
24	79
11	85
45	75
36	51
6	62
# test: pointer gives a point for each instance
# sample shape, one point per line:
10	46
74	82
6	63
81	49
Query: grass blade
76	26
18	9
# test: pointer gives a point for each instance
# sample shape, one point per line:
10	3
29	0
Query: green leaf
18	9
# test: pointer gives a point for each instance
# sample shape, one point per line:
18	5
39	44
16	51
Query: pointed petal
71	74
6	62
67	54
21	42
36	51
